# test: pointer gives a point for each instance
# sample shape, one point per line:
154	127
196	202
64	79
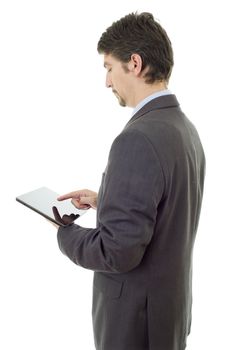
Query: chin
122	103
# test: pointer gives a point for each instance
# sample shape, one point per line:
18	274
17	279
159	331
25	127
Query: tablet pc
44	202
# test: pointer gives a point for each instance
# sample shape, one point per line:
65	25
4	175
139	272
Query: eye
109	70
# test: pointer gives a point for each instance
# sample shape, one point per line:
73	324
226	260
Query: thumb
90	201
80	205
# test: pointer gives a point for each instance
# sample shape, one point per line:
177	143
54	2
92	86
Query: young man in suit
148	204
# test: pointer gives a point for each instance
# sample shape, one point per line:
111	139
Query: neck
147	90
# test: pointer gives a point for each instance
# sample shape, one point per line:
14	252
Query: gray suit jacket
141	250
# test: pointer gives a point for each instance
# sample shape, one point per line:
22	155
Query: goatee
120	99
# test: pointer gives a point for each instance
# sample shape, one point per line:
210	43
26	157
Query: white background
57	124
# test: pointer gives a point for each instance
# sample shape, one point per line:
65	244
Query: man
148	204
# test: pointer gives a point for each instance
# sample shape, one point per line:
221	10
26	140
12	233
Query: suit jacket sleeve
132	188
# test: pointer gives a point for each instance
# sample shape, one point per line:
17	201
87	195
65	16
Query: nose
108	81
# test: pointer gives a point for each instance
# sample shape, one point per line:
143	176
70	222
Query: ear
135	64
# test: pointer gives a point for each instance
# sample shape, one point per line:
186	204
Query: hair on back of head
140	34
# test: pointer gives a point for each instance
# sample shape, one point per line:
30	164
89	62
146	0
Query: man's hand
64	220
83	199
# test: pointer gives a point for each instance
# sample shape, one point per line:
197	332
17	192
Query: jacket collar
161	102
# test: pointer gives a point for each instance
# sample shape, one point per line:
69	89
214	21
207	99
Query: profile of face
117	78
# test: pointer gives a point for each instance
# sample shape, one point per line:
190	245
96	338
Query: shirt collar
149	98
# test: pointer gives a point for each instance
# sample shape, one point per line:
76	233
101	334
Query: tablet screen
44	202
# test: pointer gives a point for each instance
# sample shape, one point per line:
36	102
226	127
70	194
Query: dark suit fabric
141	250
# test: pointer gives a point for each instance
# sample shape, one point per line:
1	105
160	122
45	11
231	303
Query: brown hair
141	34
